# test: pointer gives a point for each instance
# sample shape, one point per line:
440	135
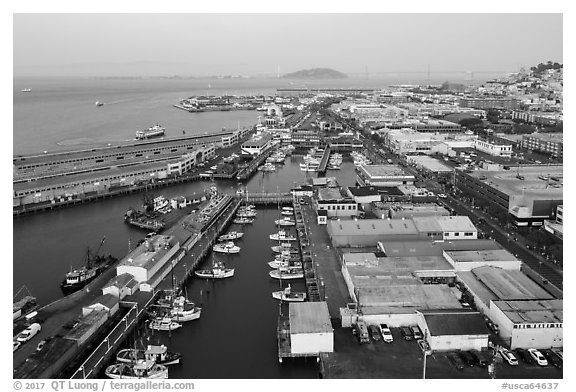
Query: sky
161	44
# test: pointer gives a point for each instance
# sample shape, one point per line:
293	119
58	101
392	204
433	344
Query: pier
246	173
324	160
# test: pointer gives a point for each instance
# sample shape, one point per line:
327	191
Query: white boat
184	310
309	166
246	214
289	296
282	236
284	274
140	369
227	247
287	209
283	262
98	103
243	221
232	235
218	271
26	90
158	354
163	324
154	131
287	213
285	222
282	249
267	167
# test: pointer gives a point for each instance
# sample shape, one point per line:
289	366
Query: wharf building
52	178
383	176
258	144
404	141
548	143
335	203
530	194
489	103
527	316
556	226
493	148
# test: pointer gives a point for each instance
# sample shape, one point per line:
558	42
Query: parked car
524	356
442	196
467	358
509	357
386	333
40	345
538	357
29	333
416	332
374	332
455	360
361	332
425	347
480	358
15	345
406	333
552	358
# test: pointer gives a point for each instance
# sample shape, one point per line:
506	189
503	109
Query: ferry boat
227	247
157	354
232	235
285	274
243	221
288	295
218	271
154	131
282	235
163	324
285	222
76	279
140	369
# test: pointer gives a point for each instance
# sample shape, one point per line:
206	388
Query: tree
493	115
470	122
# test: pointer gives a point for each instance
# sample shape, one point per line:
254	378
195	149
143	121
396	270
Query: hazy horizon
144	45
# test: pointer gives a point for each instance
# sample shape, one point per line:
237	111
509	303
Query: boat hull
294	297
207	274
285	276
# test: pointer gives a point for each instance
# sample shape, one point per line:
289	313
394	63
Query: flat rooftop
549	137
471	256
372	227
435	248
455	323
325	194
148	253
537	311
309	317
535	182
369	264
257	141
406	298
375	171
431	164
443	224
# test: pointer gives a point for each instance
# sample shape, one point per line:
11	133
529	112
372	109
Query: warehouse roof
147	254
372	226
407	298
329	194
120	281
455	323
431	164
532	311
384	171
434	248
309	317
509	285
363	191
470	256
368	264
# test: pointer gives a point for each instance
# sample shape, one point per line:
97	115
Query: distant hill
316	73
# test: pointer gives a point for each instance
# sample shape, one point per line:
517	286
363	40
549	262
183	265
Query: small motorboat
243	221
282	235
232	235
158	354
227	247
286	273
218	271
164	324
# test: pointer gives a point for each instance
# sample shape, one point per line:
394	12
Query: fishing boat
290	209
285	273
140	369
246	214
158	354
163	324
285	248
267	167
282	235
288	295
218	271
285	222
232	235
243	221
287	213
227	247
95	264
283	262
183	310
310	166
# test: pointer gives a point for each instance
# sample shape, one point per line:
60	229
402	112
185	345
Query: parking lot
404	360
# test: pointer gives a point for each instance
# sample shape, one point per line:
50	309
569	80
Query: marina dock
245	173
324	160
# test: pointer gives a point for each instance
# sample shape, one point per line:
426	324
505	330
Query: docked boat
94	265
154	131
218	271
163	324
243	221
283	262
227	247
232	235
267	167
287	213
183	310
285	248
282	235
288	295
143	221
158	354
140	369
290	209
246	214
284	273
310	166
285	222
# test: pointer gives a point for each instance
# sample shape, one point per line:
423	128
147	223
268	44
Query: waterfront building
489	103
311	330
404	141
493	148
383	176
335	203
530	194
107	302
120	286
556	226
431	165
548	143
364	194
257	145
466	260
410	210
